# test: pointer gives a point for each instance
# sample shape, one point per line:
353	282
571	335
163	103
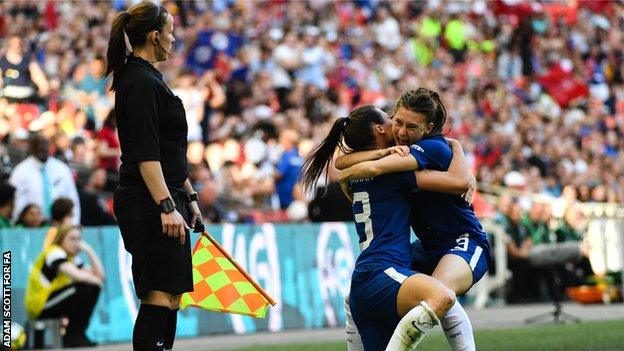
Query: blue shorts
474	249
373	302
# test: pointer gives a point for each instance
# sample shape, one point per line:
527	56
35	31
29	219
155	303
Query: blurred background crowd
534	92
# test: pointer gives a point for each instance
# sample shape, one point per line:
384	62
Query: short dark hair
61	208
7	193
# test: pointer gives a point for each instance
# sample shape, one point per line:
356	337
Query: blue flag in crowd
203	52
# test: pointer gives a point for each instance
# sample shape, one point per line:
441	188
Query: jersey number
462	245
364	217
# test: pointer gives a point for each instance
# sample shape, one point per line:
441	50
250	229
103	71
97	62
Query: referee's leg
156	322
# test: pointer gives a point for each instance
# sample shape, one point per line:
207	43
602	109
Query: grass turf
594	336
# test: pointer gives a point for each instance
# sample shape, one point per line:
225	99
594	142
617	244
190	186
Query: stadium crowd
534	89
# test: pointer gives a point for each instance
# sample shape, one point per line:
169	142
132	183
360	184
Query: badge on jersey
418	148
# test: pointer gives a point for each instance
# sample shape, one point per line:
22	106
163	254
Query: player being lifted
452	246
384	290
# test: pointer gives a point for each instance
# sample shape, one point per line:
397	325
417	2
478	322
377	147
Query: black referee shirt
151	124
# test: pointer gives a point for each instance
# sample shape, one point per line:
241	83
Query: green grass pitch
590	336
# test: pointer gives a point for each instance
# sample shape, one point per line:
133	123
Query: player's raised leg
421	301
455	323
458	270
458	329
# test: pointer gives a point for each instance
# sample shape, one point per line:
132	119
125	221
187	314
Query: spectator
30	217
41	179
62	212
93	203
62	215
108	149
62	147
7	202
261	173
209	203
59	285
19	73
214	99
503	204
81	155
521	288
288	167
532	224
186	88
571	228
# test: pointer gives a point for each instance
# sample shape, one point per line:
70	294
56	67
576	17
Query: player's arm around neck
457	180
389	164
347	160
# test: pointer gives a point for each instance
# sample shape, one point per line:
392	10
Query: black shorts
159	262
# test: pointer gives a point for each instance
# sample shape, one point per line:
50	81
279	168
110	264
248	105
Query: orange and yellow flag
221	285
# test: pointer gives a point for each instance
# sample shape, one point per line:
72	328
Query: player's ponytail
354	132
320	158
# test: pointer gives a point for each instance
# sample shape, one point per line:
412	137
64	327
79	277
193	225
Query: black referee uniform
151	124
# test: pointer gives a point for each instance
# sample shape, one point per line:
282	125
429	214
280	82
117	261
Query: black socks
150	328
170	330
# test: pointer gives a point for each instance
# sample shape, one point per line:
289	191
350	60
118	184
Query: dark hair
7	193
354	132
22	214
35	140
61	208
135	22
426	102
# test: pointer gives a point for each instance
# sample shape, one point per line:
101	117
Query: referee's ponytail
354	132
133	24
116	54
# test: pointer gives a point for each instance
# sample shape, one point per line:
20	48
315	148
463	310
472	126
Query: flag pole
240	269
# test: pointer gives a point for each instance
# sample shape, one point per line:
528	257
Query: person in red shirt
108	150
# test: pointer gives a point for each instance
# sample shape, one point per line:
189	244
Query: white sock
354	340
412	328
458	329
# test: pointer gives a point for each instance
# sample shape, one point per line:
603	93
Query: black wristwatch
192	197
167	205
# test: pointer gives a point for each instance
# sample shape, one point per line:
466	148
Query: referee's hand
173	224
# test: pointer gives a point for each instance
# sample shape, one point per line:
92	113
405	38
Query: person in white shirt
41	179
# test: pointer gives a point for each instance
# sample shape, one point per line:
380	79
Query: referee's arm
173	223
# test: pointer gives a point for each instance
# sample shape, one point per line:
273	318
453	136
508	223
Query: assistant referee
155	202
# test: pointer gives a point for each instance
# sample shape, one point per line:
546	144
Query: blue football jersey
438	218
381	207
